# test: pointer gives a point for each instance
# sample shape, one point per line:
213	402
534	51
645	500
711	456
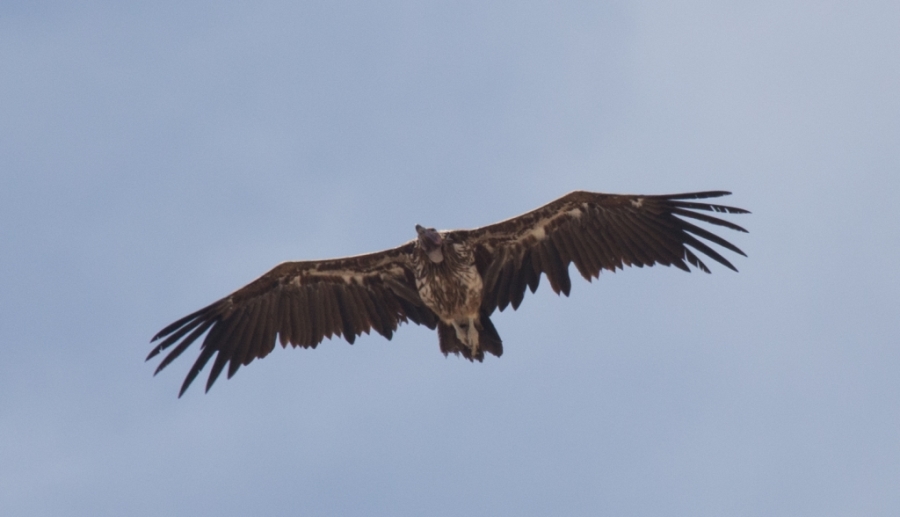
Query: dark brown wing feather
594	231
302	303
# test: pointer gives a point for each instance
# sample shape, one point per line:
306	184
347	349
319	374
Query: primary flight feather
449	280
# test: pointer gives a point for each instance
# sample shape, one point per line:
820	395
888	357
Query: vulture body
448	280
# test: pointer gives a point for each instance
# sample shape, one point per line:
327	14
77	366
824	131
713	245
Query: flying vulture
449	280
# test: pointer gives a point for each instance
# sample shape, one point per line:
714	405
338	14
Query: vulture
451	280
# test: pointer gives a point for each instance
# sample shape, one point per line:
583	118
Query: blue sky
156	156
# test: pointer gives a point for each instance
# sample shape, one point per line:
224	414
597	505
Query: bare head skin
431	242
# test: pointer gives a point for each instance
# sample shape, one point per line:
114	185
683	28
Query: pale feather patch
349	276
538	232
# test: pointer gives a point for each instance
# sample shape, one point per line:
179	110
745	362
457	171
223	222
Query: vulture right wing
302	302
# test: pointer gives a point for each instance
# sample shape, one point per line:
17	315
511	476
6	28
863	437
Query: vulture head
430	241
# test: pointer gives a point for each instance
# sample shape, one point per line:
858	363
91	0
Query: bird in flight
449	280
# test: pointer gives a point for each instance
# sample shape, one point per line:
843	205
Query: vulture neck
436	256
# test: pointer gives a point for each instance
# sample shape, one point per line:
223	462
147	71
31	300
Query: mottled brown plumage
449	280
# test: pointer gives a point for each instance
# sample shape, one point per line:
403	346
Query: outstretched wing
301	302
594	231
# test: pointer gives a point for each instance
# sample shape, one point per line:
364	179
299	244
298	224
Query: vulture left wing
303	303
594	231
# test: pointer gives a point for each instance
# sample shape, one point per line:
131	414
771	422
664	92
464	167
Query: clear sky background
155	156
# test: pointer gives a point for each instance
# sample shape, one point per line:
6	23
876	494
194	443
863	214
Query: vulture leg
456	338
467	334
450	341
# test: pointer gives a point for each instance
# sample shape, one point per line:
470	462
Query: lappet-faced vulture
449	280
